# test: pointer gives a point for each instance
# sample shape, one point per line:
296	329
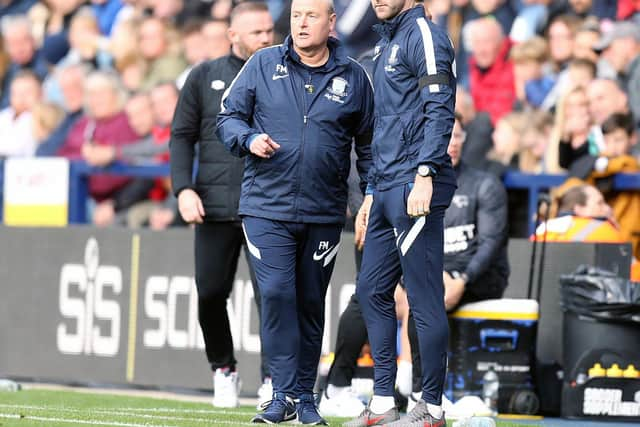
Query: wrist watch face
423	170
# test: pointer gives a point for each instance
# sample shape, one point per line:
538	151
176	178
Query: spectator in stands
16	121
535	139
581	72
507	143
15	7
603	9
491	71
194	47
585	38
105	123
479	129
123	43
606	98
615	157
47	116
161	53
528	58
107	13
20	45
620	47
50	24
87	46
572	127
216	40
561	35
70	79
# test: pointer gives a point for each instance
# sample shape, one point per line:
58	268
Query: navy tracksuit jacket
293	204
414	81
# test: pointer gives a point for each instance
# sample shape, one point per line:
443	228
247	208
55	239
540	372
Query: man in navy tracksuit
294	111
413	183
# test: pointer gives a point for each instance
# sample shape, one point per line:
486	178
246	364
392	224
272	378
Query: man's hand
420	196
362	220
190	206
263	146
98	155
453	290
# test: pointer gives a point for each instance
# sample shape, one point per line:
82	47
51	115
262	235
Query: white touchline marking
119	410
134	411
69	420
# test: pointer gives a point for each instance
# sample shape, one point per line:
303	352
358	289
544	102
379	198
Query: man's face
152	39
485	44
139	114
194	47
164	99
388	9
216	40
456	143
311	23
605	98
560	42
20	46
251	31
583	45
25	92
72	86
595	206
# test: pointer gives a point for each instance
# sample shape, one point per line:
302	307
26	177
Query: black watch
426	170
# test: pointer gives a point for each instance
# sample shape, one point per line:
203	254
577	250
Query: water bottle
8	385
475	422
490	387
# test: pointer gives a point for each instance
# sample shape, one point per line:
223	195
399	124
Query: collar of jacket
234	58
387	29
338	55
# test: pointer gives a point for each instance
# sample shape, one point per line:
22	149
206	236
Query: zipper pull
305	120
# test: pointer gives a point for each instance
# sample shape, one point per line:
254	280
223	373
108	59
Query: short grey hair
10	23
106	79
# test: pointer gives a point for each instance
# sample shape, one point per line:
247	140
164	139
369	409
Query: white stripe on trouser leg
330	255
253	250
412	234
429	52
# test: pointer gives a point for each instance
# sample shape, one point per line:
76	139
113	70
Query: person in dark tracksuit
412	183
476	266
294	111
212	201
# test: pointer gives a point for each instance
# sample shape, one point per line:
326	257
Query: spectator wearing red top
104	123
491	70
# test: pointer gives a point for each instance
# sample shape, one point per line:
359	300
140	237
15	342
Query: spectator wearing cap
491	71
620	47
21	47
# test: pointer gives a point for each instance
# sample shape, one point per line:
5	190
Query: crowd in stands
545	86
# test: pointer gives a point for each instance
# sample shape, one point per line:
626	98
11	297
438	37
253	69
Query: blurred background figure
16	121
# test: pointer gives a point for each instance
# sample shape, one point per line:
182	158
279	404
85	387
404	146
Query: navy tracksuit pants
397	244
293	263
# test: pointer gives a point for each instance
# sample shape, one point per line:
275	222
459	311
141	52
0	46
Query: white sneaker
345	404
265	393
225	389
404	378
413	400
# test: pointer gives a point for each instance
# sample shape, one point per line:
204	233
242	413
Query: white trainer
265	393
345	404
225	389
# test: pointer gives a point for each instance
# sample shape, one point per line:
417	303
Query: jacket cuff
369	190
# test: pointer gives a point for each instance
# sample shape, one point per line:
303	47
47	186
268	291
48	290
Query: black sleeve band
434	79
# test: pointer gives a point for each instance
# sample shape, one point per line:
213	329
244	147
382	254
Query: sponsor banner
112	306
36	191
88	305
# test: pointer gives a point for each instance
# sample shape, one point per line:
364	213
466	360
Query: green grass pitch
53	408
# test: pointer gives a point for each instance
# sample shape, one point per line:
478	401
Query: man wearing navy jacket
294	111
412	183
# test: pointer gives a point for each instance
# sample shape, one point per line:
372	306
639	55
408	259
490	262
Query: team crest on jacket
338	90
392	61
